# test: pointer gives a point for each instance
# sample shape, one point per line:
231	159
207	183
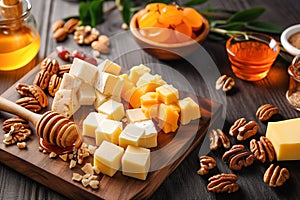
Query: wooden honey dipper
57	132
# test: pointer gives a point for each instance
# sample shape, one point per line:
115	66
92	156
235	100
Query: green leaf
84	13
127	11
246	15
96	12
231	26
266	27
159	1
216	37
194	2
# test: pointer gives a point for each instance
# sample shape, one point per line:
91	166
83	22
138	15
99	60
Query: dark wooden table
184	182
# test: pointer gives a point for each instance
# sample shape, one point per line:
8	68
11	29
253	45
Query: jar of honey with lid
293	92
19	37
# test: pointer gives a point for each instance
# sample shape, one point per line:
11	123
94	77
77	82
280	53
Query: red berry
63	53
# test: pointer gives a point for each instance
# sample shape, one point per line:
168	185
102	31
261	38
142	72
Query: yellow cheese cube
131	135
127	89
100	98
109	67
91	122
137	71
136	162
108	130
149	98
113	109
65	102
108	84
84	70
168	114
167	94
70	82
285	137
166	127
86	94
189	110
135	115
107	158
135	98
148	78
151	111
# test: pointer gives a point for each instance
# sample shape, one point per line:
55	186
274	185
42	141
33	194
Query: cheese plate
172	149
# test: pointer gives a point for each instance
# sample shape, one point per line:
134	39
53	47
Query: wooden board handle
13	108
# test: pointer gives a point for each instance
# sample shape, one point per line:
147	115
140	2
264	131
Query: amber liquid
17	47
251	60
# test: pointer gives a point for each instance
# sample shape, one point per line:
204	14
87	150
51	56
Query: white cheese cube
84	70
91	122
109	67
65	102
107	83
107	158
70	82
86	94
150	138
131	135
147	78
137	71
135	115
136	162
189	110
113	109
100	99
127	89
108	130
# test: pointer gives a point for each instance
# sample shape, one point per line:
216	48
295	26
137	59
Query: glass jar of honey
19	37
293	92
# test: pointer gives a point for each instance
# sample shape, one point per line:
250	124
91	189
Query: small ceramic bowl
168	51
286	34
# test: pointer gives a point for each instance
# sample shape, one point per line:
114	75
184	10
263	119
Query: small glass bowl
252	55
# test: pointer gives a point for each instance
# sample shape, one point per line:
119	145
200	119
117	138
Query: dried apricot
155	7
171	14
150	19
183	32
192	17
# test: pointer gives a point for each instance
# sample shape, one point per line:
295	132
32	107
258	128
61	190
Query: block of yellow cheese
109	67
85	71
107	158
91	122
167	94
131	135
189	110
113	109
136	162
135	115
137	71
108	130
285	137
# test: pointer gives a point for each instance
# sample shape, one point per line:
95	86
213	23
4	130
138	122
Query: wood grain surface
184	182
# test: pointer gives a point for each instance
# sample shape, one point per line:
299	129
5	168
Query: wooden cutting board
55	173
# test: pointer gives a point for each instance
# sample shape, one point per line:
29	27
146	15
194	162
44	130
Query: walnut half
223	183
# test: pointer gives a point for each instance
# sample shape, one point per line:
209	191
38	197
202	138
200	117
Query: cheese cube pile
149	98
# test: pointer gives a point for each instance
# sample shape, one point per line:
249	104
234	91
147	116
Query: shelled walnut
16	134
238	157
206	164
223	183
262	149
217	139
85	35
266	111
276	176
14	120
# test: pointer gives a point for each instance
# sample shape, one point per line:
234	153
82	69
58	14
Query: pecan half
206	163
29	103
23	89
247	131
39	95
14	120
42	79
217	139
85	35
54	84
262	149
223	183
233	131
50	65
17	133
64	69
238	157
225	83
266	111
276	176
